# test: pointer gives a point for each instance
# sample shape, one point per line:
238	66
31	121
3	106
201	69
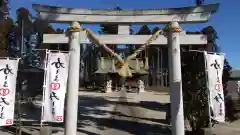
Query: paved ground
120	113
228	128
115	113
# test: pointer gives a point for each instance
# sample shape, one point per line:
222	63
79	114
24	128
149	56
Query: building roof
235	74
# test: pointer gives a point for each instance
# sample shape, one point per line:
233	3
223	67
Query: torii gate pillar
175	76
73	80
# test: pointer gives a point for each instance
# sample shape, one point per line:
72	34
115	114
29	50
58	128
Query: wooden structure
233	86
173	37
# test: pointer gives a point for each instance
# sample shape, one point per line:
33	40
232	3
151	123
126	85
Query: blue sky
224	21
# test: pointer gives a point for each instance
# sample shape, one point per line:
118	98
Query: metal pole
158	66
161	66
22	37
73	81
208	91
19	114
177	117
84	62
153	77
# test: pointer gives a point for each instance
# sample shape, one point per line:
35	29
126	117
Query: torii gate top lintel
192	14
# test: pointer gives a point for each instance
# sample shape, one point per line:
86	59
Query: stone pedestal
130	89
116	88
109	86
141	87
122	88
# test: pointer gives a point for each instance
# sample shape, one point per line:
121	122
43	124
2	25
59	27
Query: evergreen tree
25	34
194	84
4	9
13	44
5	24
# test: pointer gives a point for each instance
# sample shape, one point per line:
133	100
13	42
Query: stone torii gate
173	38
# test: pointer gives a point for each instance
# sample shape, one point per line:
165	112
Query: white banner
8	77
238	87
214	67
56	75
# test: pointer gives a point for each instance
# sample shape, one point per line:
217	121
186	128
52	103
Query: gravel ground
120	113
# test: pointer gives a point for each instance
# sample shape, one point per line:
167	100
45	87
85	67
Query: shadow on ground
92	112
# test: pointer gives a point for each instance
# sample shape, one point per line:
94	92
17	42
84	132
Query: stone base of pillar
141	87
109	86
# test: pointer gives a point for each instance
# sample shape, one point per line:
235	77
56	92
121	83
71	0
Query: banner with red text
8	77
214	68
56	75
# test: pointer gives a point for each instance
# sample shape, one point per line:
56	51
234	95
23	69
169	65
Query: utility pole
73	80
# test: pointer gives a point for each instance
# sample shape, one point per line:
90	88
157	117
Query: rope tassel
124	70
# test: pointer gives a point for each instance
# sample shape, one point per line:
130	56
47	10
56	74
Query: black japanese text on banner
8	76
56	85
214	67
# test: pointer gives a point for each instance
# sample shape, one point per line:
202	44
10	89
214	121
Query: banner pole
44	85
207	52
208	91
